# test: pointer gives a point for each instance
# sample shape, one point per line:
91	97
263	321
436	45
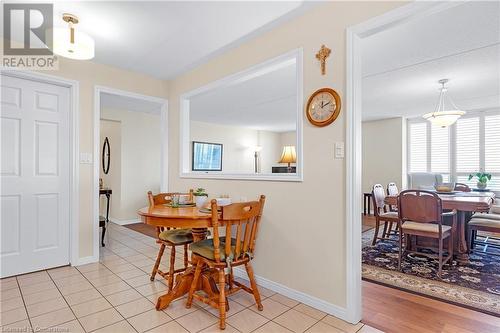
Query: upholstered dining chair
224	253
170	237
381	213
421	214
487	222
392	189
462	187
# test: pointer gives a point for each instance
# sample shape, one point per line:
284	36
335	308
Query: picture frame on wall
206	156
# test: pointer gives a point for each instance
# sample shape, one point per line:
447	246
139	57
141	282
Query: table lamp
288	156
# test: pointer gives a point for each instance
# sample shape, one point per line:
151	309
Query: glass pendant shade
446	113
71	43
82	47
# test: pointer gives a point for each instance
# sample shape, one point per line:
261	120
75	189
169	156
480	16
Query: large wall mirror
247	125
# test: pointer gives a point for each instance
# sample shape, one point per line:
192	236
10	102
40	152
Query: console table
103	220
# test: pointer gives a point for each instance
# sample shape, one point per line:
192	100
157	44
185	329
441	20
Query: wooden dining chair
392	189
421	214
486	222
382	214
226	252
170	237
462	187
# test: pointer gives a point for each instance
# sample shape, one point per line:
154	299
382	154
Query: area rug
475	285
143	228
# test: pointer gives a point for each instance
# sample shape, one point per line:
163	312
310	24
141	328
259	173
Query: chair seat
424	227
391	215
487	216
205	248
484	223
177	236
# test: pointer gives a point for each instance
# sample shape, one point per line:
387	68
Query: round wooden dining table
182	217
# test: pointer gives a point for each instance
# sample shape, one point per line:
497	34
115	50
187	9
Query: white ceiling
118	102
164	39
265	102
401	66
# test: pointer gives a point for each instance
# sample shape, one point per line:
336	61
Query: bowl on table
445	187
223	201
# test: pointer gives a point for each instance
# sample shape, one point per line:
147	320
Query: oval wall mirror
106	156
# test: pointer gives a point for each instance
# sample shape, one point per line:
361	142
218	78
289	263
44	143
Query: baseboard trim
299	296
124	222
85	260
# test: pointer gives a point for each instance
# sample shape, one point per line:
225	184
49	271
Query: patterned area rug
475	285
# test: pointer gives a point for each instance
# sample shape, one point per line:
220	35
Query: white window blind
468	144
472	144
492	143
440	149
418	147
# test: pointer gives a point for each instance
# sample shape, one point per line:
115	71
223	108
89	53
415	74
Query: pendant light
71	43
446	112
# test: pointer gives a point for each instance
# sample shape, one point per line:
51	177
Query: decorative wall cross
323	53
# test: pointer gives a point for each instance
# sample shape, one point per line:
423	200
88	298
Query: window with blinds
472	144
418	147
492	143
440	149
467	144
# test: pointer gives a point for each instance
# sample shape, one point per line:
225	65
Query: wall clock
323	107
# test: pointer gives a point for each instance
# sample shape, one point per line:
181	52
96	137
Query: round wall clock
323	107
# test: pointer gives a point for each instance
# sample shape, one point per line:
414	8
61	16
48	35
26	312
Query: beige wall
384	146
139	161
89	74
301	242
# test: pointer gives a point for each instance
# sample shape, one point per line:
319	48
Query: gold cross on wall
323	53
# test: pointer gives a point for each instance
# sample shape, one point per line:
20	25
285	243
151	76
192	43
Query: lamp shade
81	48
288	155
446	113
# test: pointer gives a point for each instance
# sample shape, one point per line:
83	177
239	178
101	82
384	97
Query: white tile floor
116	295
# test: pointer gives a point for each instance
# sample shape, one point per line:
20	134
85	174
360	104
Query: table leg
183	281
364	204
199	234
369	205
462	248
207	283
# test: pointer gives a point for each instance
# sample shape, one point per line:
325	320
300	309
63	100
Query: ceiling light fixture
71	43
446	113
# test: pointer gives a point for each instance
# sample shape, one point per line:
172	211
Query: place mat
181	205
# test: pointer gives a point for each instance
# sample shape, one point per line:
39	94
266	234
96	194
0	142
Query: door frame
98	89
74	152
353	98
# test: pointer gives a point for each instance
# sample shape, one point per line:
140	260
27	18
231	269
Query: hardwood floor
392	310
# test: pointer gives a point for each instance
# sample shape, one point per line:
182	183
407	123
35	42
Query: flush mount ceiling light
71	43
446	113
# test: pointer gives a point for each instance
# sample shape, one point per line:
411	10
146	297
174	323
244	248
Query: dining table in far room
466	204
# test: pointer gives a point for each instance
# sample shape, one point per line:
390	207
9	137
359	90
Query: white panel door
35	171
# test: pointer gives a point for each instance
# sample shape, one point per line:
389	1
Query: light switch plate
339	150
86	158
